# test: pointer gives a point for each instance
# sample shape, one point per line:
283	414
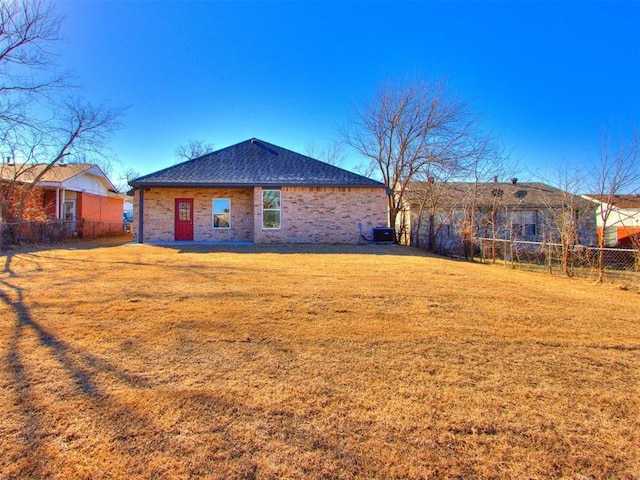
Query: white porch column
57	204
64	195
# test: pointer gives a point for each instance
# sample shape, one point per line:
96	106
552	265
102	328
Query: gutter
252	185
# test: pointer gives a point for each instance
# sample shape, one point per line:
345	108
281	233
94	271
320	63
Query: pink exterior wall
100	215
96	208
308	215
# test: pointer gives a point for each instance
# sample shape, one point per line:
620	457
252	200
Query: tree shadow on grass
62	351
135	437
80	366
224	446
184	268
32	430
71	244
8	268
382	249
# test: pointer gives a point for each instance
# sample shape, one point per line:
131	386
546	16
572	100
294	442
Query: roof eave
50	184
248	185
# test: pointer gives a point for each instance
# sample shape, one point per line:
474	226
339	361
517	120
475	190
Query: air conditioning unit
383	234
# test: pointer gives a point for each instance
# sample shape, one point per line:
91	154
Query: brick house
257	192
80	195
439	214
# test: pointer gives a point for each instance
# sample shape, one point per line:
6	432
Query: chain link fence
619	265
53	231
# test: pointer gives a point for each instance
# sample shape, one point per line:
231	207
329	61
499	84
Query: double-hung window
221	213
525	223
271	209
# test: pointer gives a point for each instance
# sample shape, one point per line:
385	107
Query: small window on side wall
525	223
271	209
221	213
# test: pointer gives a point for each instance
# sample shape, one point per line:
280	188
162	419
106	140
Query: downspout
57	204
140	217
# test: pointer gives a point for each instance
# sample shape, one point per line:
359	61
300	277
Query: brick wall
308	215
323	215
159	214
33	208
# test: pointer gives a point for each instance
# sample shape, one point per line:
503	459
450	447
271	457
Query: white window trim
213	213
272	209
72	202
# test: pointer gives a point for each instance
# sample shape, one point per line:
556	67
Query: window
184	211
442	225
271	209
221	213
69	210
611	236
525	224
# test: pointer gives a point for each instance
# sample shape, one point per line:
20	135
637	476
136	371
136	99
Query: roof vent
258	143
514	181
520	194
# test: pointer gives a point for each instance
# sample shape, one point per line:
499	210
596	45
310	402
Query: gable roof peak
264	145
254	162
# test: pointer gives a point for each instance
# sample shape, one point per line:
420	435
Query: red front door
184	219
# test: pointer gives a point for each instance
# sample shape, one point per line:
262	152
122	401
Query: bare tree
333	154
28	30
125	177
427	210
193	149
460	204
485	160
566	213
130	175
405	128
79	135
433	203
618	172
634	238
42	119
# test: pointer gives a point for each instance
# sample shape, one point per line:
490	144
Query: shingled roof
57	173
254	163
513	195
626	201
55	176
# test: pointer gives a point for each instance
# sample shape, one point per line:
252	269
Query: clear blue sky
548	76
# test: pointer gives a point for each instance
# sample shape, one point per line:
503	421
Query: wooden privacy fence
52	231
619	264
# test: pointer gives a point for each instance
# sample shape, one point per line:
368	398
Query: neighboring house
80	195
257	192
623	223
440	213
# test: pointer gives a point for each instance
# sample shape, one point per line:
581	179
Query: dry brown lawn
374	362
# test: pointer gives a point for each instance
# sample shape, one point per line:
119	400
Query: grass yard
373	362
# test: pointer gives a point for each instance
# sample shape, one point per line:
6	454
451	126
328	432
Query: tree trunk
431	238
601	264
